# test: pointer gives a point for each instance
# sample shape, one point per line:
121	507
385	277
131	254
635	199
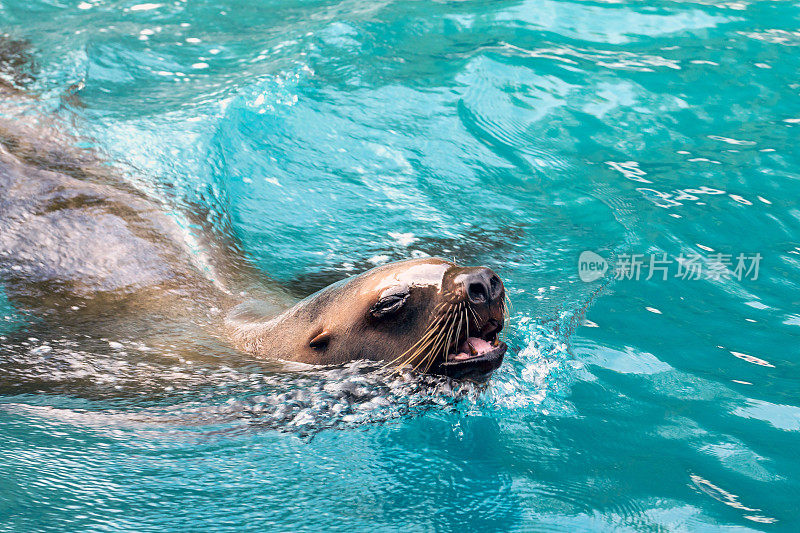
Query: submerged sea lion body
77	241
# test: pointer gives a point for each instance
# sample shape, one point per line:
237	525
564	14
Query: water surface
333	136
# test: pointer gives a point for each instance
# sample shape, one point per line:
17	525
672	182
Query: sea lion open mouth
476	357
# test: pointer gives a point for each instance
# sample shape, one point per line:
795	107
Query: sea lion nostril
495	287
478	292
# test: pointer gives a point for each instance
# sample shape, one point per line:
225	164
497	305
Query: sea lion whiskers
474	315
430	345
446	316
443	340
431	354
456	318
442	336
415	350
507	306
460	321
460	313
421	344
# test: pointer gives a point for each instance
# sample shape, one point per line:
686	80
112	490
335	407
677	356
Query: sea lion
79	243
78	237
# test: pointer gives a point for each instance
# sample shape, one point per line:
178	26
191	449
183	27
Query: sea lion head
427	314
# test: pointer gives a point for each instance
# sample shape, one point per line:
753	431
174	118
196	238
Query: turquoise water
332	136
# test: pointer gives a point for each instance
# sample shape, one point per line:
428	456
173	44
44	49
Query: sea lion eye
388	304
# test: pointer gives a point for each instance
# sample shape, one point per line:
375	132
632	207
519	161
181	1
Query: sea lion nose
482	285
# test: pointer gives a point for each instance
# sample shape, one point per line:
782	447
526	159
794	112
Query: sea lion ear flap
321	340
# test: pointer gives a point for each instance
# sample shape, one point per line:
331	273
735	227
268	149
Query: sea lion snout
480	285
